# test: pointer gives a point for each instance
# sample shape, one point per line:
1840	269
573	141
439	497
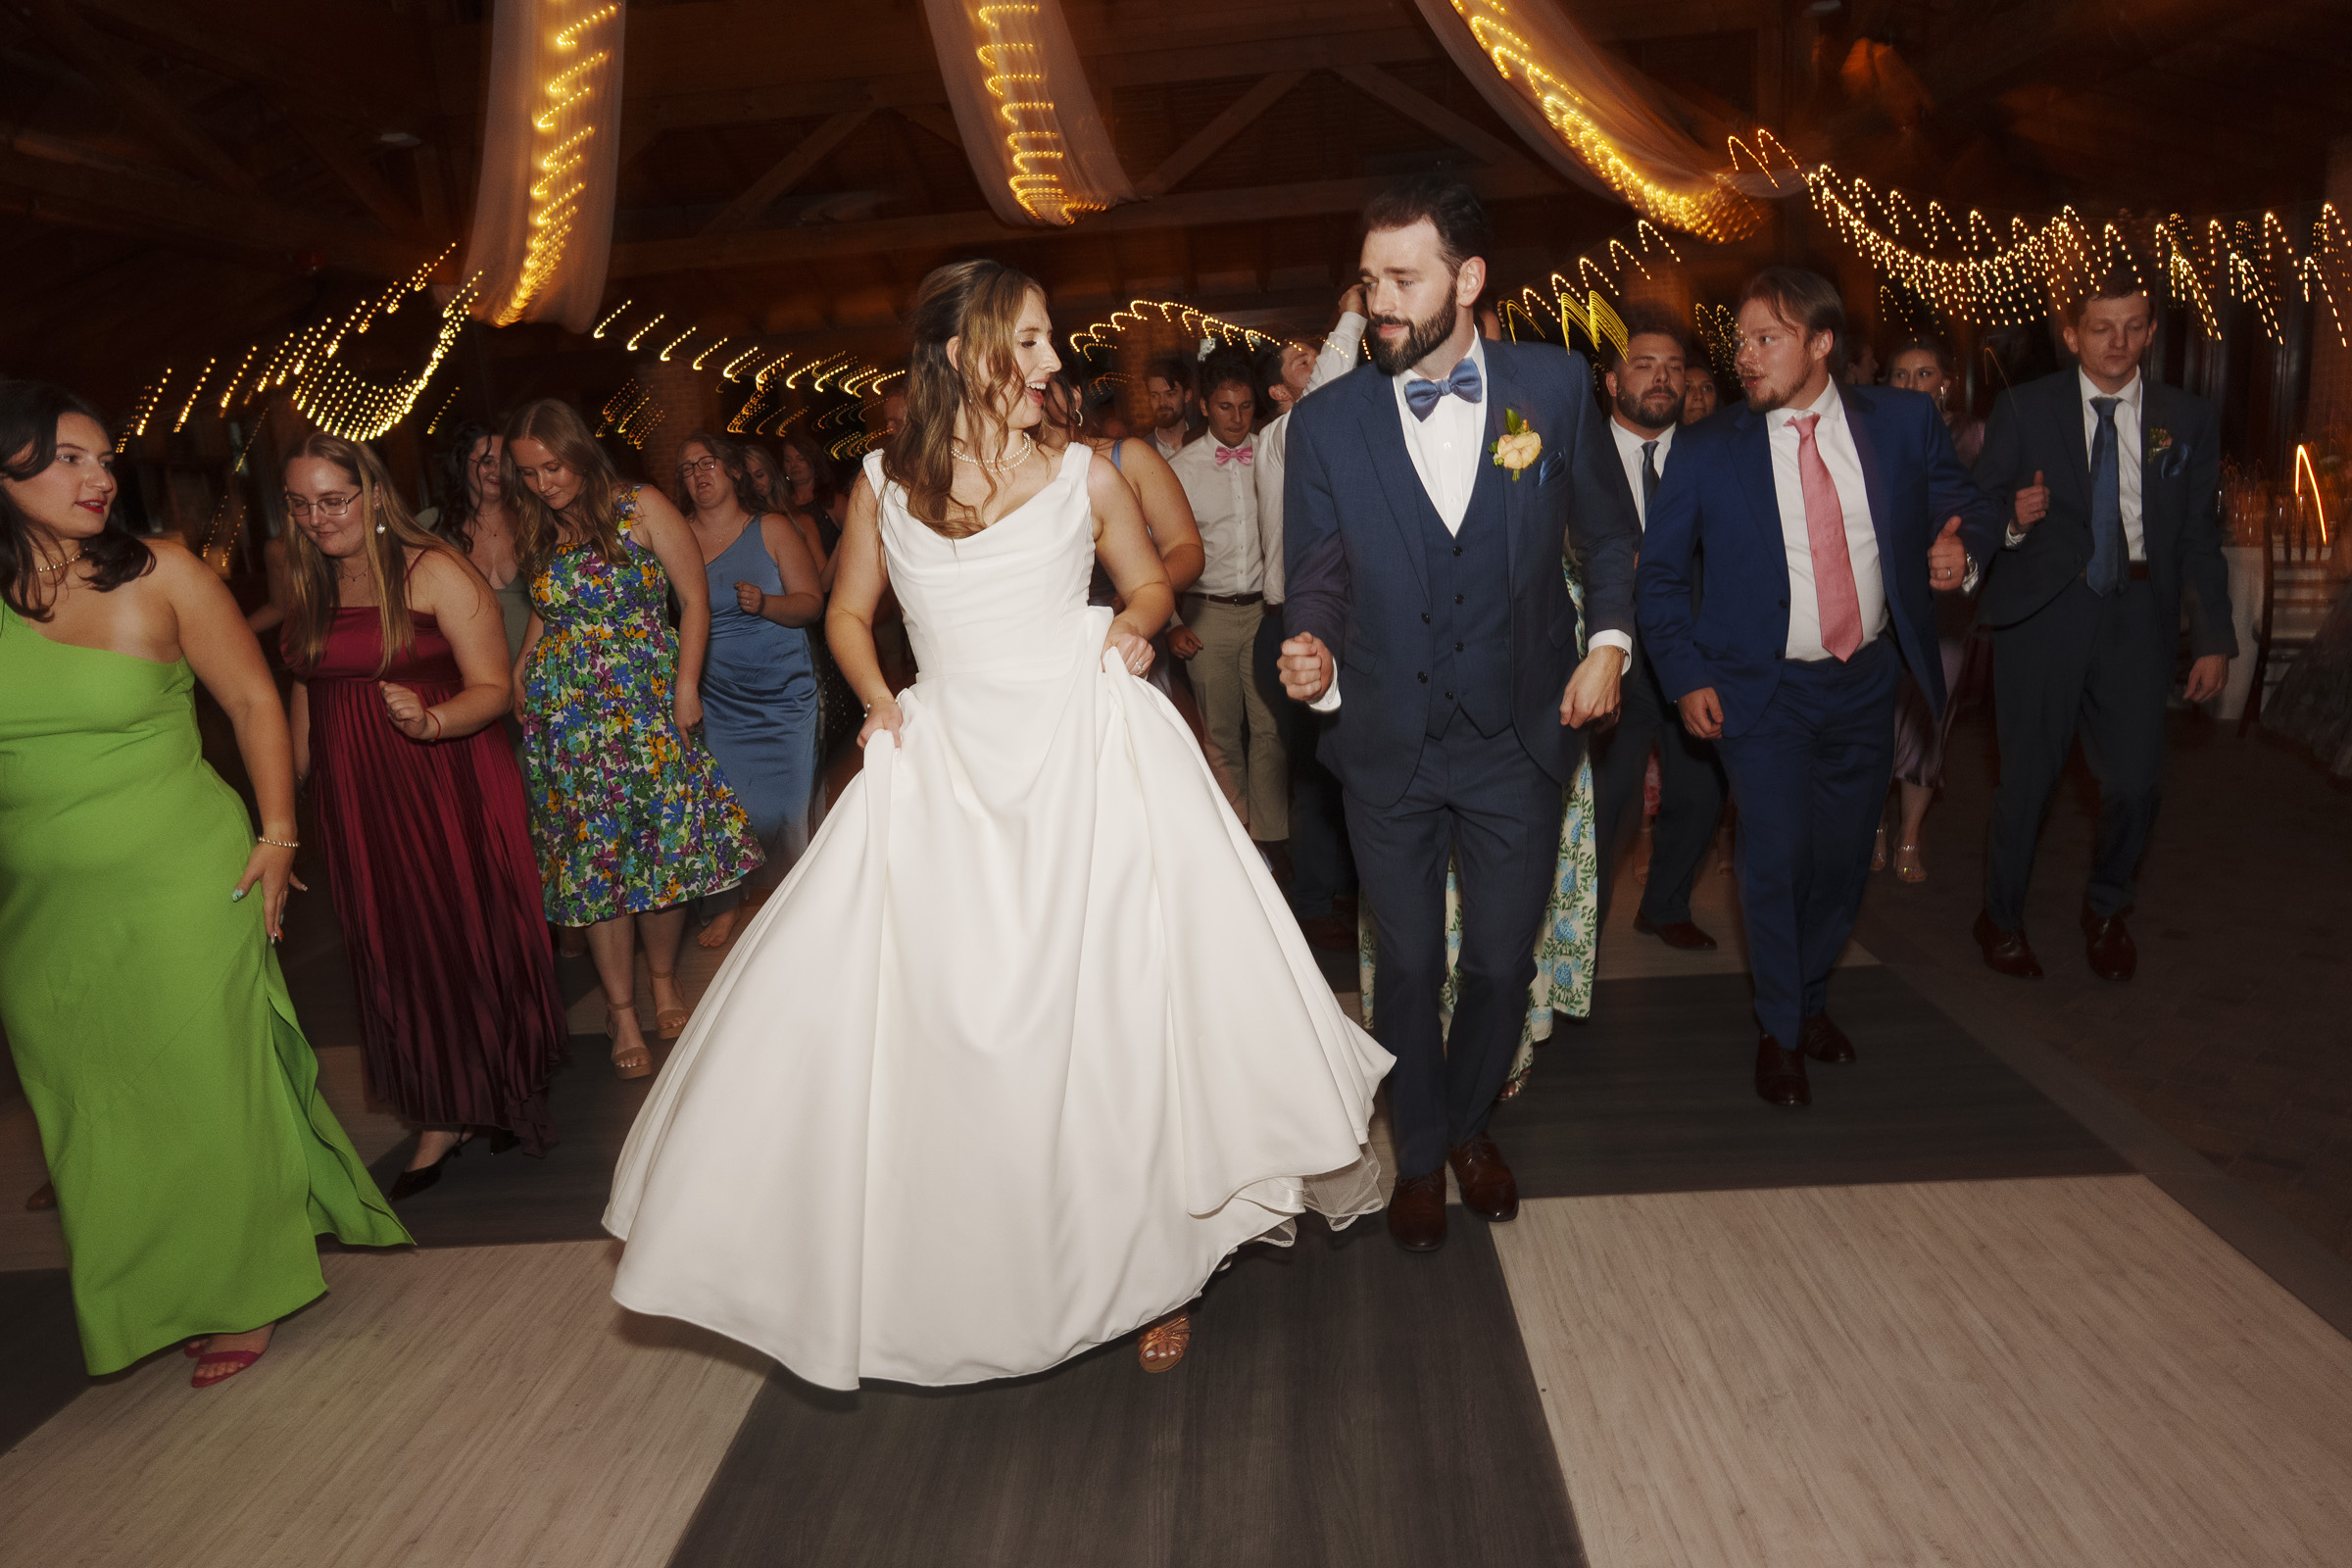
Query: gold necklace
997	464
61	566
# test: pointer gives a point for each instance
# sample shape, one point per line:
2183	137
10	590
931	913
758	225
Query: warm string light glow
2303	471
1711	208
674	342
617	313
638	336
1194	323
631	414
563	130
696	362
1016	80
442	413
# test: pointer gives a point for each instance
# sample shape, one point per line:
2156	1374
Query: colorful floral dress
1564	948
626	818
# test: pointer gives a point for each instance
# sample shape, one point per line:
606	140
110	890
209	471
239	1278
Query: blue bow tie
1421	395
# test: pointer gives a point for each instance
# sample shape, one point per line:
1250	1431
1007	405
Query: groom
1424	537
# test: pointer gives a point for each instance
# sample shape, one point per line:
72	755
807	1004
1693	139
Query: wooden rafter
175	136
333	149
1206	143
941	230
1379	85
788	171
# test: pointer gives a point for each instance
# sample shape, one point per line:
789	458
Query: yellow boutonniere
1517	447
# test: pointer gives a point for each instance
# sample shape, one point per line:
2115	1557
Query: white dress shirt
2129	450
1629	453
1166	451
1446	448
1835	443
1335	359
1224	501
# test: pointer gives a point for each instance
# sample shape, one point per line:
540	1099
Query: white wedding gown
1026	1044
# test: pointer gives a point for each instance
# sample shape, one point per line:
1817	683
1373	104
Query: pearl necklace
997	464
61	566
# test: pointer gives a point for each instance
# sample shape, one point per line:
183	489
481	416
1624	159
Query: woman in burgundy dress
401	658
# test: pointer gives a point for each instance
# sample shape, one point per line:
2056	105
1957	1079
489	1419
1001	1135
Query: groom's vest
1470	614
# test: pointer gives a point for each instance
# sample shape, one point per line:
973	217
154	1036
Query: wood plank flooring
2023	1374
485	1406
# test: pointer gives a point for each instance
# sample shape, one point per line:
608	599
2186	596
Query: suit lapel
2070	430
1858	406
1400	483
1753	453
1502	395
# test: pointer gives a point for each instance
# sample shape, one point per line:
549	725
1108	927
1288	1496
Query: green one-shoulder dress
194	1159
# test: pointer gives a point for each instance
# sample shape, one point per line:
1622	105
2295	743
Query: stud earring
379	527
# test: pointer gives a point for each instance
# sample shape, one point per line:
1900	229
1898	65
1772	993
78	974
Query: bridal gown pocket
1026	1044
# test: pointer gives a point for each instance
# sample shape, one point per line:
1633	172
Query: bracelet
434	713
279	844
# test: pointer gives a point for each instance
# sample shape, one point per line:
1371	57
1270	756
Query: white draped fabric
542	232
1591	117
1026	1044
1024	108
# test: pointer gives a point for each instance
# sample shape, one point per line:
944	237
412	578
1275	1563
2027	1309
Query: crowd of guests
562	707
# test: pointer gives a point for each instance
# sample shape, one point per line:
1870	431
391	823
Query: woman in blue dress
760	710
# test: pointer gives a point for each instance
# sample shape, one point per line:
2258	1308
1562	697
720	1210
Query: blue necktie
2108	550
1421	395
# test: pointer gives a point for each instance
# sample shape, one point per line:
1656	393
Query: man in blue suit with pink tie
1787	566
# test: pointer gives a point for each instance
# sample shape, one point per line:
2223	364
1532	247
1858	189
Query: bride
1028	1043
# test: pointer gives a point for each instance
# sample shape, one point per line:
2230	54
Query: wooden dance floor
1958	1314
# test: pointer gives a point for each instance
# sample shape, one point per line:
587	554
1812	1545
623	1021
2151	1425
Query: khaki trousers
1244	749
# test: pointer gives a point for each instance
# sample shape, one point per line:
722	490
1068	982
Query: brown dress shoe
2006	951
1489	1190
1417	1211
1824	1041
2113	954
1673	933
1780	1074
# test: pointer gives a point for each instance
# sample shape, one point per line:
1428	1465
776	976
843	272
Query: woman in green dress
194	1159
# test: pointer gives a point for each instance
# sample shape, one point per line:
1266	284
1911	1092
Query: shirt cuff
1971	578
1329	702
2011	538
1623	642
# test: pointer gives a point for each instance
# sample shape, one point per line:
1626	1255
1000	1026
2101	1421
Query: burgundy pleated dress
429	861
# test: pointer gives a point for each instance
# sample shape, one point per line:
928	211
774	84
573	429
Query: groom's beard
1420	341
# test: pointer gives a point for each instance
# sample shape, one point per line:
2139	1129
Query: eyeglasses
699	466
328	507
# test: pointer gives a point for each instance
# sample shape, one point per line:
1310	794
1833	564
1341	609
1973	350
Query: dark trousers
2089	667
1810	776
1691	790
1481	801
1321	867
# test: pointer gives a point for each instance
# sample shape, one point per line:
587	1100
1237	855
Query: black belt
1231	599
2136	572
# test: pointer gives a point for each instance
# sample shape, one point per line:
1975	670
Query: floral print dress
1571	933
626	818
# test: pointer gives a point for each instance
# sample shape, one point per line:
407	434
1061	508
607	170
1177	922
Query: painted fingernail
236	895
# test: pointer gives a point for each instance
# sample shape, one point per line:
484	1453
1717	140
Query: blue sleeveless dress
759	703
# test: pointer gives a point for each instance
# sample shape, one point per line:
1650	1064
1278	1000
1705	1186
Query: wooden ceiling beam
330	144
363	66
1211	138
174	134
1431	114
167	213
775	247
788	171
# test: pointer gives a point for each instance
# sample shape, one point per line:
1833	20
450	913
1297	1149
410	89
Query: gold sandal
670	1022
1165	1343
1909	865
635	1064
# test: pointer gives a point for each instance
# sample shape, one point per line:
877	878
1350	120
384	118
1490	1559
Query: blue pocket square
2174	461
1548	468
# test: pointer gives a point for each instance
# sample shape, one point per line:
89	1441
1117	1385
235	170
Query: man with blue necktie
1819	520
2116	483
1429	502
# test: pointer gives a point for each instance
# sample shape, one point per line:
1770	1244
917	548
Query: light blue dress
760	708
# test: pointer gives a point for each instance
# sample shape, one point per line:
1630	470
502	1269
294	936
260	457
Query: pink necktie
1240	455
1833	590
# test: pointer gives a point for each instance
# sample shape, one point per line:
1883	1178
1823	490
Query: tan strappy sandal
635	1064
1165	1343
670	1022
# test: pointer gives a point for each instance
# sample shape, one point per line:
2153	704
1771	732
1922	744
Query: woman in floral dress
633	820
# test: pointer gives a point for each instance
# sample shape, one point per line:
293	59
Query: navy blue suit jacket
1715	526
1358	575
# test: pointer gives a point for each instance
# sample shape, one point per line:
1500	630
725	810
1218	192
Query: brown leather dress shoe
1824	1041
2113	954
1489	1190
2006	951
1417	1211
1675	933
1780	1074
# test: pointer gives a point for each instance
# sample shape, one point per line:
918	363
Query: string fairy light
562	132
697	363
675	341
1016	80
1194	323
619	312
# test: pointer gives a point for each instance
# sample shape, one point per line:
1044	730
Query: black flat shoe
409	1183
501	1140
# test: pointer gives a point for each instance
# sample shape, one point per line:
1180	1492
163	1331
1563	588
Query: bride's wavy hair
978	304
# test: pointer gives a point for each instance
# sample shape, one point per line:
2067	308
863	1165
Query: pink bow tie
1240	455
